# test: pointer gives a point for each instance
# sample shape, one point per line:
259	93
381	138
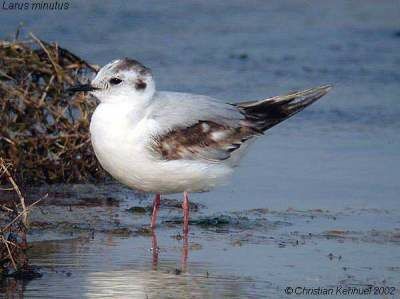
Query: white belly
122	149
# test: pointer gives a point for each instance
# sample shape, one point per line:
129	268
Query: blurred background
341	154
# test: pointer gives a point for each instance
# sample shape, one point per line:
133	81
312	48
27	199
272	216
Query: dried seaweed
44	130
13	229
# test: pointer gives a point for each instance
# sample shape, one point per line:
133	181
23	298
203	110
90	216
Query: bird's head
119	81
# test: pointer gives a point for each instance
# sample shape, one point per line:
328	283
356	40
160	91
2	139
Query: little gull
169	142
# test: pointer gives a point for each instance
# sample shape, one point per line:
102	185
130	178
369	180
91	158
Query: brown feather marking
183	143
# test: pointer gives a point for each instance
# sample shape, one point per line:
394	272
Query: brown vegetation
44	131
13	229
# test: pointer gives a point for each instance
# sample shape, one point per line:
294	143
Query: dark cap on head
128	63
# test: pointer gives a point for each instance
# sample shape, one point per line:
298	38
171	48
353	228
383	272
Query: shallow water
332	171
247	254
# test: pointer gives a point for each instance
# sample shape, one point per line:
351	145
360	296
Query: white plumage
121	142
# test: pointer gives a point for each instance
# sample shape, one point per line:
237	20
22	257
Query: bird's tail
264	114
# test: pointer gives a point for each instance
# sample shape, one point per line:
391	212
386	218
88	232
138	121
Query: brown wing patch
205	139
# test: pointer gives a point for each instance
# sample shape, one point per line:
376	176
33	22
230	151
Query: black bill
81	87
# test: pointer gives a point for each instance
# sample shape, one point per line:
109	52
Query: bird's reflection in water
107	267
185	252
150	284
155	250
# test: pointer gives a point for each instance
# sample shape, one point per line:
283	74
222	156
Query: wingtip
326	87
316	93
312	93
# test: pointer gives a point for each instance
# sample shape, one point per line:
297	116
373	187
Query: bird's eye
115	81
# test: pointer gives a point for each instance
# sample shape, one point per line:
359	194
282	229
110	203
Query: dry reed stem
6	227
17	226
17	190
5	242
55	66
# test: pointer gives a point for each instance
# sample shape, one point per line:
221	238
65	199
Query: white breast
120	138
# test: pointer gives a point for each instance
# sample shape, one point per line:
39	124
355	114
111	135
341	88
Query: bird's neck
123	111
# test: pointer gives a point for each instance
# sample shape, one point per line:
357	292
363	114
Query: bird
165	142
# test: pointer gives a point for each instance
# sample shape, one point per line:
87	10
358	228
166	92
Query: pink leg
156	205
185	207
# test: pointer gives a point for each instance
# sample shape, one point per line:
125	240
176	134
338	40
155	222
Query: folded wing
214	132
